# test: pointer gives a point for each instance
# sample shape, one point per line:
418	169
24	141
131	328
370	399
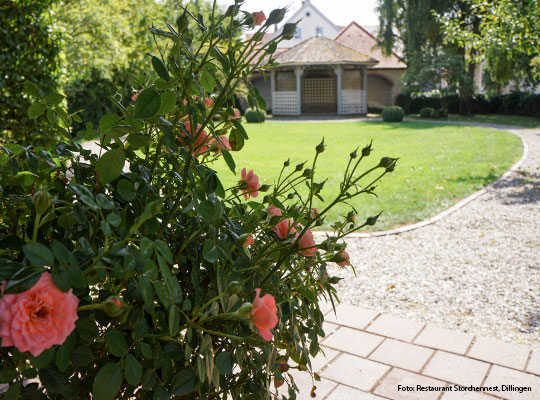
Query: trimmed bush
441	113
255	115
393	114
427	112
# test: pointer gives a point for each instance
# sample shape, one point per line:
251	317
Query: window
319	31
298	33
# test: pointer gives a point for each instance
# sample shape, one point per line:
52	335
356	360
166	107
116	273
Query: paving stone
325	306
329	328
402	355
398	377
395	327
353	341
355	371
347	393
497	352
454	395
305	383
456	369
444	339
320	361
499	376
351	316
534	363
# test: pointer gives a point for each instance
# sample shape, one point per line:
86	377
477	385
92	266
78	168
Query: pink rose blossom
307	244
236	114
264	314
314	213
200	139
249	241
39	318
346	261
273	210
259	17
136	95
250	182
222	143
284	228
208	102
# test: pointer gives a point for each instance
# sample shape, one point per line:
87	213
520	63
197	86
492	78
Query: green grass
439	164
516	120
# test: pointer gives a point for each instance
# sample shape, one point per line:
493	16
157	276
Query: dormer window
298	33
319	31
308	13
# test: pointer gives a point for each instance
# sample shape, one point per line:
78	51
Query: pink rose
134	97
346	260
208	102
249	241
39	318
264	314
273	210
259	17
236	114
284	228
222	143
200	139
250	183
314	213
307	244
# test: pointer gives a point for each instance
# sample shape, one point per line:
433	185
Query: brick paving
372	356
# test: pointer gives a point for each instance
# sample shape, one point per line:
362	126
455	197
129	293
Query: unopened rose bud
372	220
299	167
290	196
386	162
351	217
366	150
114	306
283	367
288	31
267	199
286	163
234	287
42	201
278	382
245	311
353	154
320	147
308	173
264	188
182	22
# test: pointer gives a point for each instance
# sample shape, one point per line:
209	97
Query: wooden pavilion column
364	106
298	71
272	87
339	72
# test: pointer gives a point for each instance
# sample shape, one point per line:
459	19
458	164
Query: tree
29	53
506	36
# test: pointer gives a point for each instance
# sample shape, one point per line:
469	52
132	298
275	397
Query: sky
340	12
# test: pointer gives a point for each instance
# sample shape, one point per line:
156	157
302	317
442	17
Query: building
328	69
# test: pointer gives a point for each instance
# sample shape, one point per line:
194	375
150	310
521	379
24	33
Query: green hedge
393	114
255	115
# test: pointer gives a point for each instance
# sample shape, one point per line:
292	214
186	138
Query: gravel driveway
476	270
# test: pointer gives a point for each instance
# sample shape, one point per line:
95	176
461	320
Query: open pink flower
200	139
284	228
249	241
208	102
307	244
250	183
136	95
346	260
259	17
236	114
264	314
273	210
222	143
39	318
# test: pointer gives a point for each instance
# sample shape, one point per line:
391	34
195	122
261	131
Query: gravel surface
476	270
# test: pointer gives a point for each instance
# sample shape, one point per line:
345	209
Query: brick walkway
368	354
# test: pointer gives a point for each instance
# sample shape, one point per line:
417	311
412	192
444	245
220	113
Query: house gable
312	23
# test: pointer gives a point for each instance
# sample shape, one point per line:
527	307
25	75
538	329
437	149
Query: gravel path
476	270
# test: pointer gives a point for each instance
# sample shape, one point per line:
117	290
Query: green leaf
38	254
116	343
7	375
184	382
87	330
207	81
110	165
138	140
43	359
147	104
108	121
236	140
52	379
224	363
168	102
14	391
108	382
62	254
82	356
54	99
238	125
229	160
210	253
132	370
61	278
174	320
160	68
36	109
164	250
31	88
125	190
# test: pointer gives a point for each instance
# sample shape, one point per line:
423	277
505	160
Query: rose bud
283	367
320	147
367	150
42	201
386	162
114	306
278	382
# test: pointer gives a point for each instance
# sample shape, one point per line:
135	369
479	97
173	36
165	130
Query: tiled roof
321	50
359	39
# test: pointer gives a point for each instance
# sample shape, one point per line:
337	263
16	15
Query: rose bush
152	280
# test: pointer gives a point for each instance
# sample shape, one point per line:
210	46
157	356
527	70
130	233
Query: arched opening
379	91
319	94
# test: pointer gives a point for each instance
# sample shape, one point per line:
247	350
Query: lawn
516	120
438	165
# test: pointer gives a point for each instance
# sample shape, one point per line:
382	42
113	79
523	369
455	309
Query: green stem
90	307
36	226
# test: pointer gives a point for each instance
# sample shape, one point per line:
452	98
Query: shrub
441	113
427	112
178	286
393	114
255	115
